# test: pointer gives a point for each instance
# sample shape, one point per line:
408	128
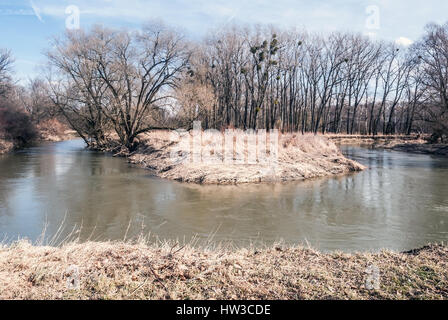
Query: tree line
338	83
116	84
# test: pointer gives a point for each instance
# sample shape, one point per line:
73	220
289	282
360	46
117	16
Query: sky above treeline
26	26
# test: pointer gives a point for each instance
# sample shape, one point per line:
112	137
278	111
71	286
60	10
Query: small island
295	157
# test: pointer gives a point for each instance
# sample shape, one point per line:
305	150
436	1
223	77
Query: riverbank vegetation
117	270
19	130
26	113
248	78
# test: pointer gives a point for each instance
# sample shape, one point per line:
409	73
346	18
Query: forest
102	81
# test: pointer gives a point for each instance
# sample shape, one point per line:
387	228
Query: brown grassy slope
139	271
299	157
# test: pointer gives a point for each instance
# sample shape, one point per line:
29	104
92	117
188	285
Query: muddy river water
400	202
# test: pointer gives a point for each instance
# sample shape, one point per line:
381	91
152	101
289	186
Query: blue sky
26	26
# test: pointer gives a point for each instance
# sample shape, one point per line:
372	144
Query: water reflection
399	202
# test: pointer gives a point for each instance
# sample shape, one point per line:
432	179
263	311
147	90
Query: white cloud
322	16
403	41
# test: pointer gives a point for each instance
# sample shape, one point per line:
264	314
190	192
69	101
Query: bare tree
432	50
139	70
107	78
6	62
37	102
75	84
253	77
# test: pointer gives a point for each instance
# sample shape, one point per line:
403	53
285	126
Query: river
399	203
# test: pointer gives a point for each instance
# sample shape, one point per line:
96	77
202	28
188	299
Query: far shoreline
404	143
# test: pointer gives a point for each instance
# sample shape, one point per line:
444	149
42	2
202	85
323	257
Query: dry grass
299	157
54	130
117	270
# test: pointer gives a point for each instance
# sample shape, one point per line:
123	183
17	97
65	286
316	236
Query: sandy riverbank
140	271
54	131
299	157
